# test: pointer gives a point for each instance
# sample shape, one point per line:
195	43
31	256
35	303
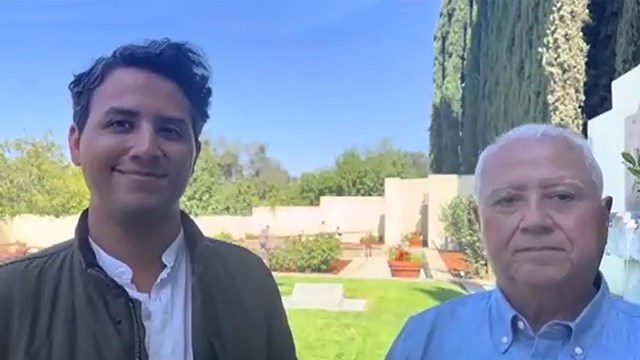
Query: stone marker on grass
321	297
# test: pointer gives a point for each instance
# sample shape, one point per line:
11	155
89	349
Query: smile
539	249
140	173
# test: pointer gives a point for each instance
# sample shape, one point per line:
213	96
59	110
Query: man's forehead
543	159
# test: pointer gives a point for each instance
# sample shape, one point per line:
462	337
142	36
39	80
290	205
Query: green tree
601	33
35	178
451	46
628	40
564	59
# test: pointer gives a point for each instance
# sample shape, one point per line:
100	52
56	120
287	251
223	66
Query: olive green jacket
59	304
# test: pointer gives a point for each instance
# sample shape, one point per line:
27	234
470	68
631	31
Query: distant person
263	240
139	280
544	222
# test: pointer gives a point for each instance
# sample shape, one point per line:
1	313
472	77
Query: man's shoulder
37	259
24	272
626	308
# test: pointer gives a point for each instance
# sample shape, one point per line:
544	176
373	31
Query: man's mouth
140	173
539	248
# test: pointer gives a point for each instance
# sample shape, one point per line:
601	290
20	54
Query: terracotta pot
415	243
404	269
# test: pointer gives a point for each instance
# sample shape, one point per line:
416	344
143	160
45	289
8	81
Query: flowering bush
401	253
316	253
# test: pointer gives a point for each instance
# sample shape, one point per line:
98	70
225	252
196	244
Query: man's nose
536	219
145	143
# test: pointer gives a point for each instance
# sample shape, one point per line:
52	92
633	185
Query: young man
139	280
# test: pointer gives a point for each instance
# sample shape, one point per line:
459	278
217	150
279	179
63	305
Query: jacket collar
192	235
206	331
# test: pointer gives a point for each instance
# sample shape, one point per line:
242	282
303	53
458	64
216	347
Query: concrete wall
615	131
621	262
408	205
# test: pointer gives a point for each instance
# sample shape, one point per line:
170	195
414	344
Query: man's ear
73	139
607	202
476	214
197	155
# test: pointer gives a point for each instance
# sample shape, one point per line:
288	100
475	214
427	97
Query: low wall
407	205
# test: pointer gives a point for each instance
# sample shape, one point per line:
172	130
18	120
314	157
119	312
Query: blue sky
308	78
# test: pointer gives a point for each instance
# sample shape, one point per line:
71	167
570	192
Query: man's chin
143	208
541	275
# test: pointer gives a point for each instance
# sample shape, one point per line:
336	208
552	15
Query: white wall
612	133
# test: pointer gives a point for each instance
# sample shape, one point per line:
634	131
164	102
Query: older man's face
541	216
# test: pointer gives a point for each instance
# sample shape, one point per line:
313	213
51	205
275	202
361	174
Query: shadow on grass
440	294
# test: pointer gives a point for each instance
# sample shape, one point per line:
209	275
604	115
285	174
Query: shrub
315	253
370	239
224	236
632	164
463	231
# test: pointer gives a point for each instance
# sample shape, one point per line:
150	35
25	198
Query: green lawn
322	335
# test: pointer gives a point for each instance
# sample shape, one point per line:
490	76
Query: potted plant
403	263
413	239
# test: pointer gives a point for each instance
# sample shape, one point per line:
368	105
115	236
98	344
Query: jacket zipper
132	312
136	330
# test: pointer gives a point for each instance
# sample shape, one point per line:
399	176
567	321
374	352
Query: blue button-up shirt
483	326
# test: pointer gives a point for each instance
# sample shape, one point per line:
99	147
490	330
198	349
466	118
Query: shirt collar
504	320
118	270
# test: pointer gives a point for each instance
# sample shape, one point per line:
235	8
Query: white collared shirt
166	310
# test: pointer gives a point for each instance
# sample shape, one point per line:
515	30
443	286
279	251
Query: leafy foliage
632	163
402	254
500	64
463	232
229	178
315	253
564	59
36	179
628	37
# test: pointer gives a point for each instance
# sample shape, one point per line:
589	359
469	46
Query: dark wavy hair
180	62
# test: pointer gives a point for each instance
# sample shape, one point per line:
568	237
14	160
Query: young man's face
138	149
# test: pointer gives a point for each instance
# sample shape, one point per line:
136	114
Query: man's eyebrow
172	119
122	111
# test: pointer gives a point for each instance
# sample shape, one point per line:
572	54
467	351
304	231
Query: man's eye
507	200
120	124
171	131
563	197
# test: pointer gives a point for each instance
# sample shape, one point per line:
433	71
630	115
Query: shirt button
520	325
578	350
504	339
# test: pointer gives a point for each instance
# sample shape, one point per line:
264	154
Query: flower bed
317	253
455	262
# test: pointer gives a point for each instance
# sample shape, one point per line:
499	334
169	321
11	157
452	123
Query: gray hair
536	130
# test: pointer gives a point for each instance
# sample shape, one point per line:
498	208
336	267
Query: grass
367	335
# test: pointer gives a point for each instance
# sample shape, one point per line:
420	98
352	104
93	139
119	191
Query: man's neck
139	243
542	305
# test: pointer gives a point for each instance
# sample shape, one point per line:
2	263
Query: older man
544	223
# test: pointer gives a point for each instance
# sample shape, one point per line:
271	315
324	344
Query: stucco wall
615	131
408	205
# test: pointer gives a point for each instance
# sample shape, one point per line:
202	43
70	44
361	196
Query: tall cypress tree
505	81
601	34
564	59
451	46
628	44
